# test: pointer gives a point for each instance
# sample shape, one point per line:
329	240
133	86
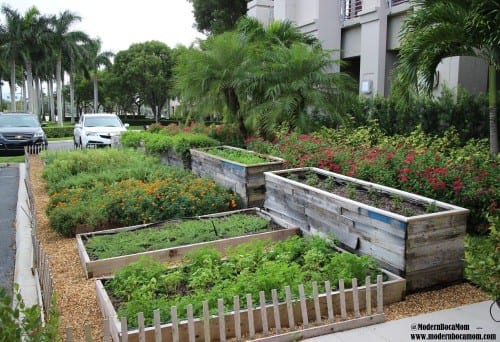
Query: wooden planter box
101	267
427	249
245	180
265	317
173	158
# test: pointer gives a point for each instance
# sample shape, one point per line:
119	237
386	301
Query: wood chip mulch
76	297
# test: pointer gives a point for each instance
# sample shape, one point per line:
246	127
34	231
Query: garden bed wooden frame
173	158
426	250
245	180
309	314
102	267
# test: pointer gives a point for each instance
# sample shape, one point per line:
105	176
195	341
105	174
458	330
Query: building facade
366	35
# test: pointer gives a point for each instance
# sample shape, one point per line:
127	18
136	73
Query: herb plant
249	268
238	156
174	233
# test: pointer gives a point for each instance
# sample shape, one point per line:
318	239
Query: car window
18	121
102	121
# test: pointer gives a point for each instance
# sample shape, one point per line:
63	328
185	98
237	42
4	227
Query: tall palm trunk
492	99
59	92
13	85
31	91
51	100
95	92
72	95
36	97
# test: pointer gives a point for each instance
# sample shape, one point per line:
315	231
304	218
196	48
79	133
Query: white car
95	130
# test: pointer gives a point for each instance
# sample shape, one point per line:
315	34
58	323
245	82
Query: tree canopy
144	72
217	16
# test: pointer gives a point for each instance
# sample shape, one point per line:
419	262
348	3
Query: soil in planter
249	268
370	196
176	233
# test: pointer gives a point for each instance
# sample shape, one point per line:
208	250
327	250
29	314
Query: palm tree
437	29
293	84
25	43
295	87
98	59
66	44
208	78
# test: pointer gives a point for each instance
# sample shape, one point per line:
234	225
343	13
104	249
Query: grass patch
12	159
175	233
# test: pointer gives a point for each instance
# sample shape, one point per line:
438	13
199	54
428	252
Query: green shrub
59	132
131	138
158	141
22	323
482	259
438	168
96	189
466	112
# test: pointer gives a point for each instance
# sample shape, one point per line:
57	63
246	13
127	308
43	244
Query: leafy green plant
22	323
95	189
431	208
239	156
174	233
351	190
248	268
482	259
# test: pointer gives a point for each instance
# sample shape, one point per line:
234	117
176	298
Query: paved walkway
465	323
9	180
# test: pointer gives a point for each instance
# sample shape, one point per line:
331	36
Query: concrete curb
23	271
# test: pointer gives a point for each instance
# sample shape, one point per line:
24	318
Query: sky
119	24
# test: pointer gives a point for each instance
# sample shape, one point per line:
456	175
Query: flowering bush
145	197
465	176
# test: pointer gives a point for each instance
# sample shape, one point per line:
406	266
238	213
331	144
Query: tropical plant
262	77
438	29
22	41
98	59
208	78
66	45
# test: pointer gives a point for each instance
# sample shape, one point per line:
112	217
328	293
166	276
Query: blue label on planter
233	166
385	219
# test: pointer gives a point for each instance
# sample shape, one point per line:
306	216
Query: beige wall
373	36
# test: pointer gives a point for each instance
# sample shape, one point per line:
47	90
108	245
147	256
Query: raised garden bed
174	158
173	240
416	237
245	179
286	254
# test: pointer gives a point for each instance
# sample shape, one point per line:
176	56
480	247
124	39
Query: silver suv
96	130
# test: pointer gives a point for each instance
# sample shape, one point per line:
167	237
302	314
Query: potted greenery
237	169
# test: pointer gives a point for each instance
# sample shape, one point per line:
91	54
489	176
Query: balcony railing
351	8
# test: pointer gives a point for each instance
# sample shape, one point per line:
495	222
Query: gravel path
76	297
